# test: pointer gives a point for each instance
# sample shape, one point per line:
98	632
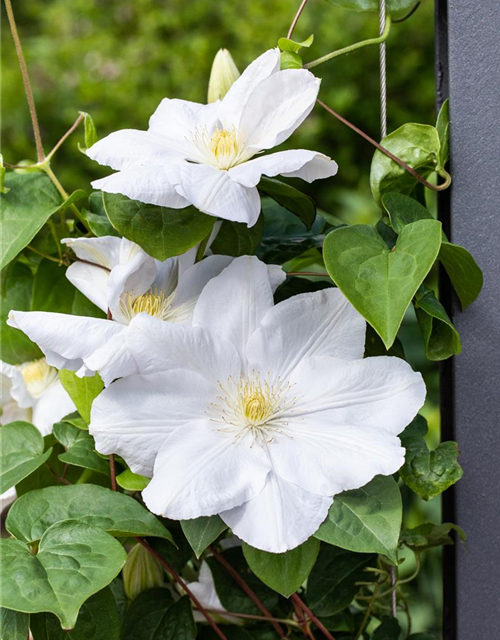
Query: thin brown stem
302	621
390	155
308	273
183	585
58	477
26	80
247	589
65	136
249	616
296	598
112	469
296	18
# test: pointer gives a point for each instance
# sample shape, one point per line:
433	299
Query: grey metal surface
469	39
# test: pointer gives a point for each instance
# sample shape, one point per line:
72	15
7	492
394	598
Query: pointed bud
224	73
141	571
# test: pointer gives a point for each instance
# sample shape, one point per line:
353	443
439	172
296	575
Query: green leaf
80	447
97	620
418	146
74	561
379	282
90	131
96	217
375	347
21	453
441	339
283	572
3	172
366	520
236	239
292	199
285	44
332	582
428	473
31	200
465	275
422	636
14	625
83	391
116	513
52	291
403	210
132	481
161	232
17	287
428	535
232	597
201	532
443	129
154	616
388	629
393	6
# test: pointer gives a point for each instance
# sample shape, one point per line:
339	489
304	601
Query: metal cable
383	74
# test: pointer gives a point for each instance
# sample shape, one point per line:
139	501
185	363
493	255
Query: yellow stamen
224	143
38	376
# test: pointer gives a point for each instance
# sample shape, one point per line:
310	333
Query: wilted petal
213	192
323	323
308	165
280	518
200	471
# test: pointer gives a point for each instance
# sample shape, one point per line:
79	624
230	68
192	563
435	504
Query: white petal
104	251
131	148
277	106
91	281
65	340
323	323
236	98
382	392
13	387
200	471
213	192
53	405
276	275
134	416
280	518
233	304
308	165
194	279
113	360
160	346
11	412
7	498
152	185
204	590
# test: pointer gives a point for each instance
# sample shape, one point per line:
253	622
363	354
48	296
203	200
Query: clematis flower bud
141	571
224	73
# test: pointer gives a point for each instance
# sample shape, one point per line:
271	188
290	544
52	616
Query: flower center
153	302
253	406
222	148
38	376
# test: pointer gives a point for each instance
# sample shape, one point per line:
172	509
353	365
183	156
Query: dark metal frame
468	71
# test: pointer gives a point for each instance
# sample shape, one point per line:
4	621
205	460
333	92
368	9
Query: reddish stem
308	273
93	264
248	590
385	151
302	621
296	18
112	469
183	585
310	614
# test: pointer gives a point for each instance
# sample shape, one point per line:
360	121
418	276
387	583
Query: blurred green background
117	59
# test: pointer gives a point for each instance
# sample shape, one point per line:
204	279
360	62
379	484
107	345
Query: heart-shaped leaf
22	452
74	561
428	473
366	520
381	282
161	232
118	514
29	203
80	447
292	199
283	572
441	339
388	629
98	620
201	532
465	275
428	535
83	391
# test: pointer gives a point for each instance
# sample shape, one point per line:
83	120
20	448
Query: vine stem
308	273
112	469
302	621
26	80
352	47
444	174
66	135
296	18
296	598
183	585
367	612
248	590
249	616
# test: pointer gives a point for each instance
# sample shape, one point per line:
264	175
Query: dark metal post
468	69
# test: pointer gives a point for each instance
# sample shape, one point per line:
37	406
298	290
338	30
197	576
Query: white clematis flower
259	413
205	155
204	590
116	275
31	392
